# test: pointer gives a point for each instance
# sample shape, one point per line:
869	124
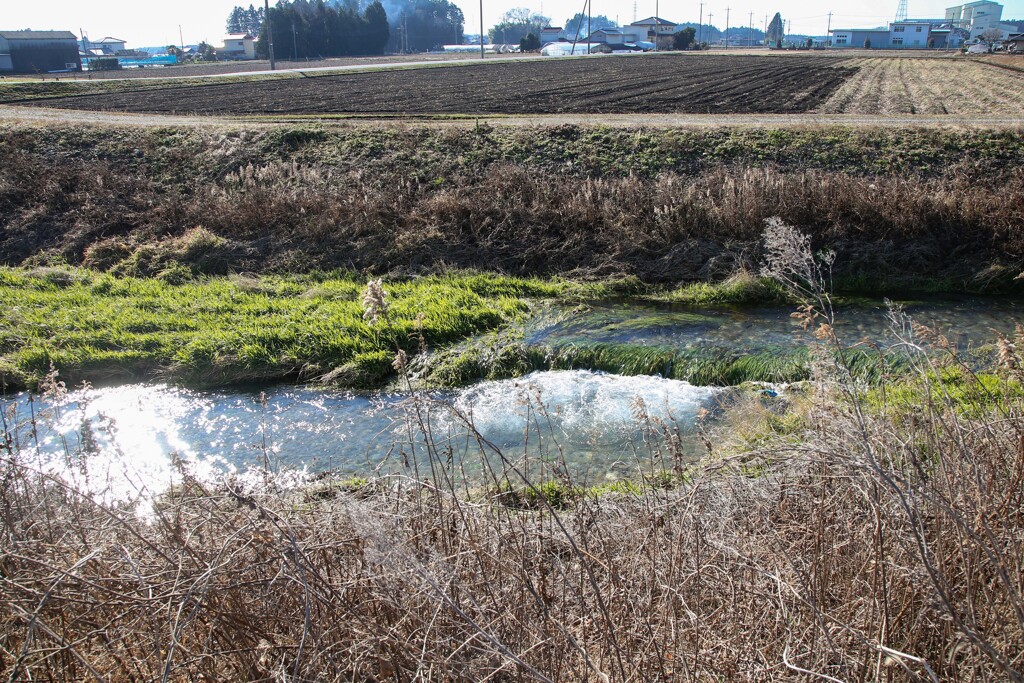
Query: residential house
551	34
653	29
237	46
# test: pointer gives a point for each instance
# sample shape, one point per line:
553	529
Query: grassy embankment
168	214
903	207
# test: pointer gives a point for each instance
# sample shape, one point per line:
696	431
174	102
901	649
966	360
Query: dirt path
67	116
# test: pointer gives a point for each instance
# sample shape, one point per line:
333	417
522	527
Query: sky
145	24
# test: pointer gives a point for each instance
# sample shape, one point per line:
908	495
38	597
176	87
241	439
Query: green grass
501	356
221	331
968	393
741	288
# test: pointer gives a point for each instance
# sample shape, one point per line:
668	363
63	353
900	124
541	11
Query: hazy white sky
156	23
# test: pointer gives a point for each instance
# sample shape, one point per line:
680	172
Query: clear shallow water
964	320
124	440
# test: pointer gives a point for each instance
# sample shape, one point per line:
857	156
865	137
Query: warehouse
35	52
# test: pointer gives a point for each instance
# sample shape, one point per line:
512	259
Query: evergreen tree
422	25
236	21
314	29
684	39
531	43
579	21
776	31
377	30
243	20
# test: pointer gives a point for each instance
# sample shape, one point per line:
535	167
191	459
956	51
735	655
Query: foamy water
139	439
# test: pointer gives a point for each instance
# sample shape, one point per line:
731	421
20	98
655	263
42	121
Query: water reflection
964	320
125	440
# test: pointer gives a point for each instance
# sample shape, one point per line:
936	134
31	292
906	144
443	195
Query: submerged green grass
221	331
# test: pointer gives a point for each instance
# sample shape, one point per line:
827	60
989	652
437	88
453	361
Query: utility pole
270	34
828	31
750	31
710	42
766	41
481	29
700	25
727	27
656	25
181	38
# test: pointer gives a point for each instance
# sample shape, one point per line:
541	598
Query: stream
138	439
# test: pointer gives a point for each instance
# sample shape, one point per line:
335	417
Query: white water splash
579	406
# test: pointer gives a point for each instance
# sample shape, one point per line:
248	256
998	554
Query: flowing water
964	320
139	438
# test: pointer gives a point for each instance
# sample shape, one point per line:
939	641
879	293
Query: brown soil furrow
615	84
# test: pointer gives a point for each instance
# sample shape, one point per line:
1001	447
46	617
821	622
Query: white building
912	34
108	45
551	34
238	46
652	29
613	36
979	17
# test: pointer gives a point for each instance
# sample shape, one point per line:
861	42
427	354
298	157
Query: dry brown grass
293	215
906	85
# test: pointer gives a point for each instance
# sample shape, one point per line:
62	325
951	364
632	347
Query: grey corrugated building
30	52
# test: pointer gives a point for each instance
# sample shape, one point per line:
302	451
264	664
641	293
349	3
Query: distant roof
552	28
37	35
237	36
108	39
651	21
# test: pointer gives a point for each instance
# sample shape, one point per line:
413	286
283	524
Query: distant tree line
243	20
580	22
305	29
421	25
516	24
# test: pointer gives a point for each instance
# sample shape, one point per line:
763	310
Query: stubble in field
901	85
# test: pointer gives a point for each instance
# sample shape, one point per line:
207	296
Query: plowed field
616	84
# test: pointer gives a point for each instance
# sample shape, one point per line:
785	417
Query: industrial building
915	34
979	17
962	23
38	52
